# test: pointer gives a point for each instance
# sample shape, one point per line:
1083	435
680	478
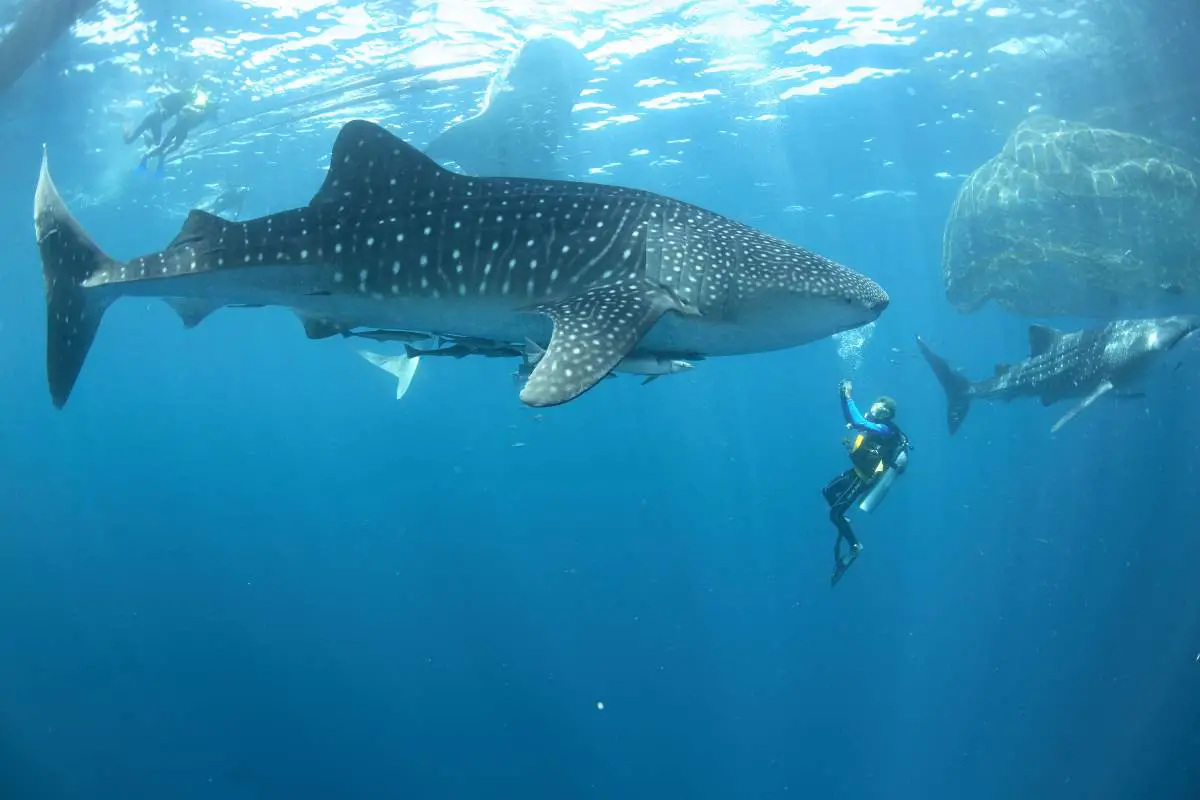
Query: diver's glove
845	387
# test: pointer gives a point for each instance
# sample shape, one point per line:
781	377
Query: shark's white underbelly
497	318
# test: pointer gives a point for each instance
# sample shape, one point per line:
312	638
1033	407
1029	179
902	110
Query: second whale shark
391	240
1084	365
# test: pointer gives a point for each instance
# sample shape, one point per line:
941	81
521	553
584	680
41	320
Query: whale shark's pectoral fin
1105	387
593	332
403	367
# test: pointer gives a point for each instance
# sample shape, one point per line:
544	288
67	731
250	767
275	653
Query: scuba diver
195	113
164	109
878	452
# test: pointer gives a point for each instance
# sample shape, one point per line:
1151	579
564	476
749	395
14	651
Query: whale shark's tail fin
73	311
403	367
956	386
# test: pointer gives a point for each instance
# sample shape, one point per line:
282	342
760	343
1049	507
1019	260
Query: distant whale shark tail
956	386
73	311
403	367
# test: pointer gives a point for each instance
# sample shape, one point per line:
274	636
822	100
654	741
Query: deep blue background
235	567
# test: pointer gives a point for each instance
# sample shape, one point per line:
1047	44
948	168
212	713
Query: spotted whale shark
391	240
1083	365
525	116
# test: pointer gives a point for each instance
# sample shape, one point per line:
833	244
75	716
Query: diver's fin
843	564
1099	392
403	367
192	311
956	386
1042	338
73	311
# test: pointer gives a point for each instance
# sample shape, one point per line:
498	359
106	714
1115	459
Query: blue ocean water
233	566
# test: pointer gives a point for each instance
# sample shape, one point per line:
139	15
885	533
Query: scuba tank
880	490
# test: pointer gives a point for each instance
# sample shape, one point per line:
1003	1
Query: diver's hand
845	387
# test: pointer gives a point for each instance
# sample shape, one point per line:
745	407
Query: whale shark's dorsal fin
1042	339
370	167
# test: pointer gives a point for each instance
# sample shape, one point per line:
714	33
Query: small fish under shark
1085	364
403	366
392	241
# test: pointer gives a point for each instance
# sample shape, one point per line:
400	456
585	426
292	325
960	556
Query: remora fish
394	241
1085	364
403	368
652	366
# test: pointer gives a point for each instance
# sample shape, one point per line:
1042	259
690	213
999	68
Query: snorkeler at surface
201	109
164	108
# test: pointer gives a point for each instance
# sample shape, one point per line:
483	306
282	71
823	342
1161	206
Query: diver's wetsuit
164	109
190	117
874	448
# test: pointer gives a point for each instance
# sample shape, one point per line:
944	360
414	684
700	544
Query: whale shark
1086	364
391	240
525	116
